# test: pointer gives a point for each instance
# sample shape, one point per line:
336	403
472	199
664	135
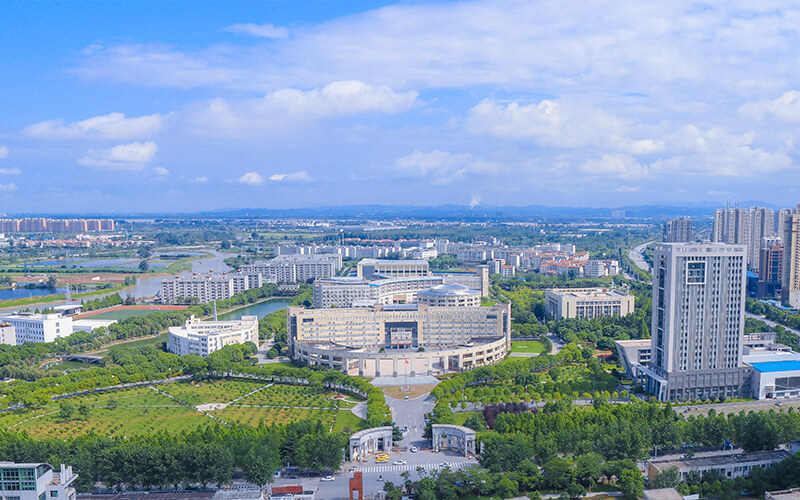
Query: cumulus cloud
251	178
258	30
785	108
111	126
160	171
3	151
301	176
200	179
8	187
277	109
616	165
443	167
10	171
557	124
133	156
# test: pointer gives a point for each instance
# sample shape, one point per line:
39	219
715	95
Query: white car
327	478
445	465
399	462
413	449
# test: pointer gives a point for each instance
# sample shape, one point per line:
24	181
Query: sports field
184	406
528	346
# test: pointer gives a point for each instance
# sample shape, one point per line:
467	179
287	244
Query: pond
24	293
259	310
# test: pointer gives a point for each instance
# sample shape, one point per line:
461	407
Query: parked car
413	449
445	465
327	478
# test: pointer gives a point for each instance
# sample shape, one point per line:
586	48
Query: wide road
637	256
407	413
771	323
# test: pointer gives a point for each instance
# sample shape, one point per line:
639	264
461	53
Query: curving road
637	255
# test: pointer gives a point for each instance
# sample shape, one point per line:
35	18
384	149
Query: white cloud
251	178
200	179
10	171
3	151
301	176
133	156
785	108
443	167
259	30
8	187
628	189
286	106
616	165
557	124
161	171
110	126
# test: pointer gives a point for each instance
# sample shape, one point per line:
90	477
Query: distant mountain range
450	212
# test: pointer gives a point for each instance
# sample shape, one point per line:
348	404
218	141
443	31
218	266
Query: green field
145	410
121	314
530	346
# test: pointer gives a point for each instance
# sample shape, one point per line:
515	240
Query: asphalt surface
770	322
407	413
637	256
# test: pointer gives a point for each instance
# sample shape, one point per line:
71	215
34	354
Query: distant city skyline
184	107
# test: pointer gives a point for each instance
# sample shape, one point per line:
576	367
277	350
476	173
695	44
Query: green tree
66	411
143	266
631	483
507	488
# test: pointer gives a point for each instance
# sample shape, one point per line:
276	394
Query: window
695	273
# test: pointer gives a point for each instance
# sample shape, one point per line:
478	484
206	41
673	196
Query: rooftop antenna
215	309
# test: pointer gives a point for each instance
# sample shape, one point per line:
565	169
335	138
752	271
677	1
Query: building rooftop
720	460
452	289
662	494
792	494
777	366
588	292
375	262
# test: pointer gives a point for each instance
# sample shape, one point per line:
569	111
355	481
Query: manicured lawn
460	417
119	314
218	391
144	410
530	346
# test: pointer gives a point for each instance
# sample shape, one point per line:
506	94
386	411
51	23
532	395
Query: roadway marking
407	467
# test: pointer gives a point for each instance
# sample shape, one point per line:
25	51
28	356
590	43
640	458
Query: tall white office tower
698	321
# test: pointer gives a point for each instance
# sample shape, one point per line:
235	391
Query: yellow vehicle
379	460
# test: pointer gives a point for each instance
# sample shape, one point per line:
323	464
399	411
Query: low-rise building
291	492
204	337
31	327
587	303
36	481
792	494
728	466
89	324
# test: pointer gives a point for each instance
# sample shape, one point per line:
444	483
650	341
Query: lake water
149	286
23	293
259	310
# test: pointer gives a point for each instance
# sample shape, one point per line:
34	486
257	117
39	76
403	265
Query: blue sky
185	106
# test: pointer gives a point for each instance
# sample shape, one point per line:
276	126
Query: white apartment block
744	226
587	303
204	337
36	481
203	287
296	268
30	327
600	268
473	255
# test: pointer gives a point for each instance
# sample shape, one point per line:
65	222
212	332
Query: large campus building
587	303
296	268
393	282
397	339
207	287
31	327
204	337
36	481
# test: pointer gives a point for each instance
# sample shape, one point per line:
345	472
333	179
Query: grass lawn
531	346
143	410
460	417
120	314
154	340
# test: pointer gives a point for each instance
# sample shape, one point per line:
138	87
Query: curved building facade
204	337
400	339
449	296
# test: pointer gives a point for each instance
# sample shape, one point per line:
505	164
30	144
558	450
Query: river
259	310
149	286
22	292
